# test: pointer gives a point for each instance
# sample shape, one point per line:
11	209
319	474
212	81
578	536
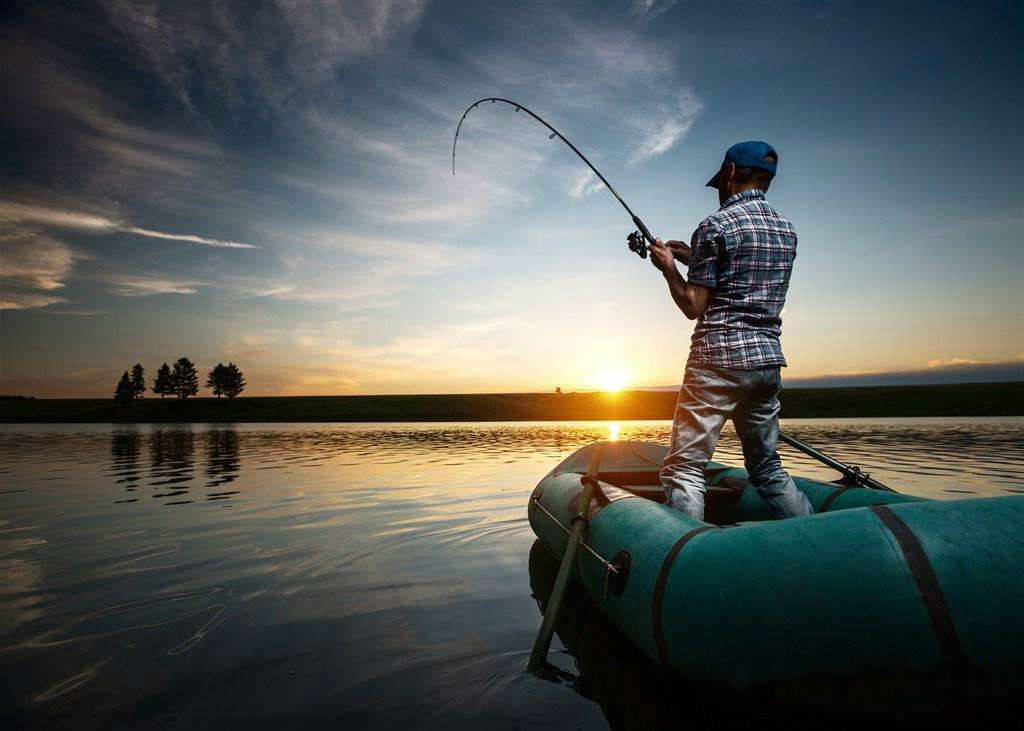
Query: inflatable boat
874	584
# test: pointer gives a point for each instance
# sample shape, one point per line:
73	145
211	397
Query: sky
271	184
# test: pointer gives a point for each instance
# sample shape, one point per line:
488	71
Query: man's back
744	252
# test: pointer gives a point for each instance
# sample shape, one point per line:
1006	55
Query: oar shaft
845	469
538	658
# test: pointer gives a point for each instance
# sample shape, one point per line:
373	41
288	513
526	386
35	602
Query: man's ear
728	172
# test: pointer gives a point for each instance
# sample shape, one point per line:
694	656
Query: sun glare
611	381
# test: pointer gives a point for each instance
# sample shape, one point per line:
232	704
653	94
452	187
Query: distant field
977	399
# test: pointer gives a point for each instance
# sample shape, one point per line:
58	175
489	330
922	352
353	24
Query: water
313	575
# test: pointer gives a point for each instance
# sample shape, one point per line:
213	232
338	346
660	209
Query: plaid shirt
745	253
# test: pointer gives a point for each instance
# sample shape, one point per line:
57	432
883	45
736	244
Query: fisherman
740	260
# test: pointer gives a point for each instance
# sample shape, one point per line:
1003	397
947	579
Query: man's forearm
682	293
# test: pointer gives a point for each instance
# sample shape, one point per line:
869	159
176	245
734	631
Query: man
740	260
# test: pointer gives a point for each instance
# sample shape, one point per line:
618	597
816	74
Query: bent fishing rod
639	242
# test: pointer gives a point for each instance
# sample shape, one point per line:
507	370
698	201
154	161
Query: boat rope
638	241
607	564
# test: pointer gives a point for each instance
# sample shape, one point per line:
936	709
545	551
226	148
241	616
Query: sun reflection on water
613	431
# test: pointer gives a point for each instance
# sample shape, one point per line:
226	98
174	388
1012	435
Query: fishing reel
637	244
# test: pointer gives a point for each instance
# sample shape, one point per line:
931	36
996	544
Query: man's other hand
681	250
662	257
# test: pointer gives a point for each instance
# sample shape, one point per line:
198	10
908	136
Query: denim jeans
709	396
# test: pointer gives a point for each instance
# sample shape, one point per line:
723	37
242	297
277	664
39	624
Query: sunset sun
612	380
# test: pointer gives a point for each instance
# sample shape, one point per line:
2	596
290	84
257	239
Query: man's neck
723	196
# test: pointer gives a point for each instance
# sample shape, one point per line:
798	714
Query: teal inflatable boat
874	584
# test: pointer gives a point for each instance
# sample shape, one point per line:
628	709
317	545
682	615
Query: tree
184	379
138	380
215	379
234	381
162	384
558	390
124	394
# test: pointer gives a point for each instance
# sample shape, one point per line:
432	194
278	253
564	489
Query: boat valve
637	244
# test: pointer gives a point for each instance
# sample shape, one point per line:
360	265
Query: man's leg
757	424
705	402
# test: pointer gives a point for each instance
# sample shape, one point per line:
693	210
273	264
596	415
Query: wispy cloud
351	271
283	50
14	213
945	362
188	238
141	285
75	313
14	300
652	8
32	267
585	184
667	124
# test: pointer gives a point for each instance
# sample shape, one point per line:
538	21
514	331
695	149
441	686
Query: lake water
326	575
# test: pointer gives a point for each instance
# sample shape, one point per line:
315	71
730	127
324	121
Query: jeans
709	396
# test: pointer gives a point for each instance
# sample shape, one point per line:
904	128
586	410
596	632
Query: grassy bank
977	399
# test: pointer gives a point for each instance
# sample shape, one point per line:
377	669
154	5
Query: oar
851	473
538	658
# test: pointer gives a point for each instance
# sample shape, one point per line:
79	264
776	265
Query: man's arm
691	298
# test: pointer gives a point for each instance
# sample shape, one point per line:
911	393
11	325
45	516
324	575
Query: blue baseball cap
752	154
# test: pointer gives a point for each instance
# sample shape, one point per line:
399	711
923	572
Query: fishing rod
639	241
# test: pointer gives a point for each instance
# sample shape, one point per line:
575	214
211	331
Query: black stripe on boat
928	585
660	586
827	502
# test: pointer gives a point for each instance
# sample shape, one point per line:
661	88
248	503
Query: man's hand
681	250
662	257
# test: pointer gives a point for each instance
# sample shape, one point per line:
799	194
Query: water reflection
222	461
125	446
171	454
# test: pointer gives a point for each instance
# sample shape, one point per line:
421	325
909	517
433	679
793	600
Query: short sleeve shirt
744	252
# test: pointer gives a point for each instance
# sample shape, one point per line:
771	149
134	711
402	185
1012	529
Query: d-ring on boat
875	583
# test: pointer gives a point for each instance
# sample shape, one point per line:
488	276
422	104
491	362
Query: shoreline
966	399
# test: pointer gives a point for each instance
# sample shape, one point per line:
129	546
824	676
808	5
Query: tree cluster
131	387
181	380
225	380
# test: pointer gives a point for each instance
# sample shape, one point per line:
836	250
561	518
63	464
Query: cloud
334	361
652	8
352	271
938	370
578	74
141	285
945	362
32	267
27	300
16	213
585	184
189	238
666	125
258	56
